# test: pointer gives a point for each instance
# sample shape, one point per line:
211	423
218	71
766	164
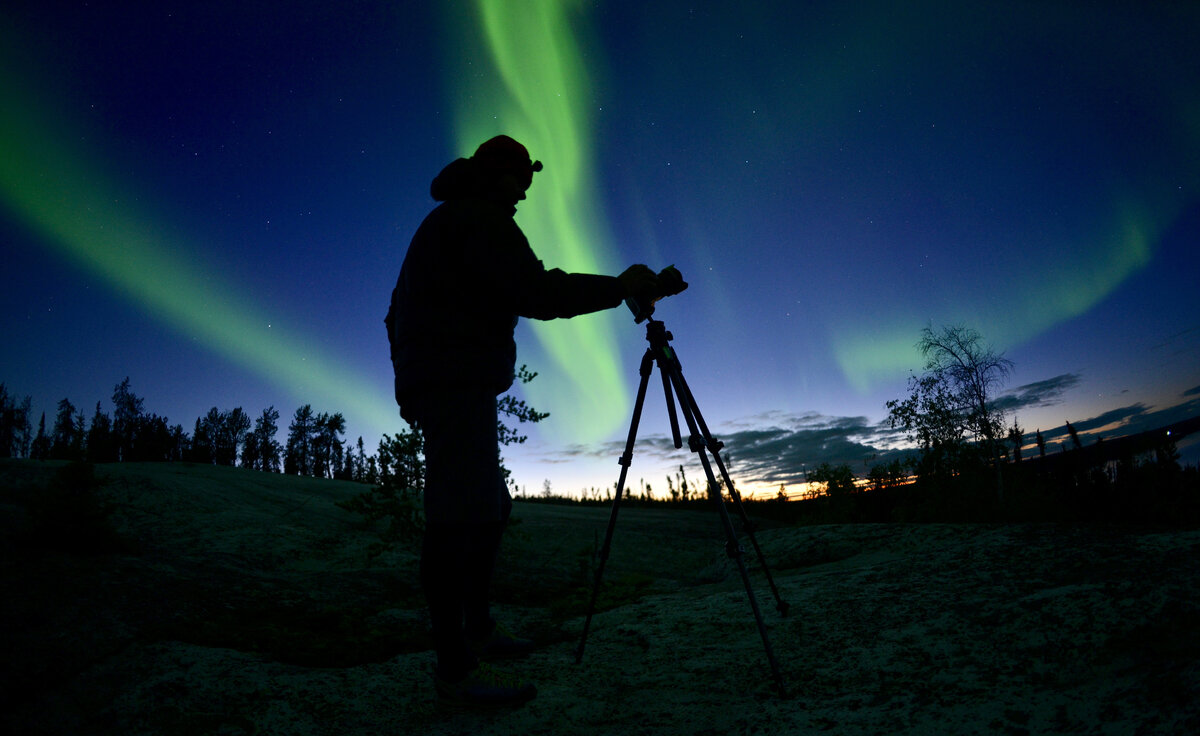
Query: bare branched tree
950	405
971	370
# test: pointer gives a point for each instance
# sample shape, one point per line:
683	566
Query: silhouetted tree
836	480
66	440
210	432
973	371
509	406
1074	437
15	430
201	450
180	443
262	451
298	456
402	461
326	444
101	446
397	497
40	449
360	463
232	427
347	470
22	430
887	475
1016	436
153	441
8	419
127	410
371	471
682	484
218	436
949	410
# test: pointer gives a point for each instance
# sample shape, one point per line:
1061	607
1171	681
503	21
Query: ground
233	602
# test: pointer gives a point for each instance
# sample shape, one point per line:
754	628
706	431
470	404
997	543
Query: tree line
968	462
315	444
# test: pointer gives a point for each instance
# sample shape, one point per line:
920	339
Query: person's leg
487	639
467	506
460	677
444	566
484	550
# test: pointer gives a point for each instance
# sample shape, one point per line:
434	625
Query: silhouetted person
468	275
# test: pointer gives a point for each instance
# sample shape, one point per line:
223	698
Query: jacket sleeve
530	290
555	293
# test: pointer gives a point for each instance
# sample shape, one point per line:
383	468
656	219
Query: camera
670	283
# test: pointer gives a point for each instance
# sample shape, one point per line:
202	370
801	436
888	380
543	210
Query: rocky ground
233	602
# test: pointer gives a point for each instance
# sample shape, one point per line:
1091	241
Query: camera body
670	283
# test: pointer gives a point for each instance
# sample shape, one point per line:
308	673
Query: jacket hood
461	179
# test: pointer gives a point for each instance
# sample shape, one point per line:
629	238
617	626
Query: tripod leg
734	550
780	604
666	381
714	447
688	408
625	460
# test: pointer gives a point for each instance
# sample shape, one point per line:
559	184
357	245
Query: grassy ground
206	600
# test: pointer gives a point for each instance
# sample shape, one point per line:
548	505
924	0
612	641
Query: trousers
467	506
463	480
457	564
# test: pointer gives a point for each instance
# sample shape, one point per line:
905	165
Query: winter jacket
468	275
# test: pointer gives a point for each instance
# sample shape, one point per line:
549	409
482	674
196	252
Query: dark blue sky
214	199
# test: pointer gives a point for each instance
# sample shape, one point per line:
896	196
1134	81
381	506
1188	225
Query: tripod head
670	283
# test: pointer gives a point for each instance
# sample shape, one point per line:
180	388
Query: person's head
507	166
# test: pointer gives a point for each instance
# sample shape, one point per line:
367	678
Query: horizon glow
537	91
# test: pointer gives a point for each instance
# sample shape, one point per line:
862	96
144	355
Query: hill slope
238	602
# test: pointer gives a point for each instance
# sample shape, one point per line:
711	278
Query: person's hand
638	281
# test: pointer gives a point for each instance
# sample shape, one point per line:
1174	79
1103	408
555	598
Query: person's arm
533	291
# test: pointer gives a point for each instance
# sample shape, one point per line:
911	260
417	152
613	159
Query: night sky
214	200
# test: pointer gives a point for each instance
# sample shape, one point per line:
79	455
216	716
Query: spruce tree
14	425
261	450
326	444
201	451
230	435
127	411
269	449
40	450
101	448
298	454
66	440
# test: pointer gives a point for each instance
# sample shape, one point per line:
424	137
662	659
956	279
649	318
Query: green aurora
63	194
532	85
1050	294
536	71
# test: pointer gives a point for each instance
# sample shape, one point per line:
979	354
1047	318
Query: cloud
1125	420
776	447
773	447
792	444
785	455
1040	393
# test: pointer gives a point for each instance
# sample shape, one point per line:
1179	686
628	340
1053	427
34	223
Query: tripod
703	444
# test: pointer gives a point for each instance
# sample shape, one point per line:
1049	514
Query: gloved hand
639	281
